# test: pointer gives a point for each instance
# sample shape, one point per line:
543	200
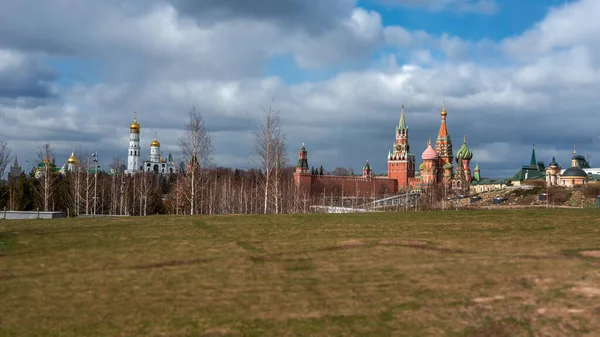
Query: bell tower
133	157
401	163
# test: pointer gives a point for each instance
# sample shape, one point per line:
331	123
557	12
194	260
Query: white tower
155	151
133	158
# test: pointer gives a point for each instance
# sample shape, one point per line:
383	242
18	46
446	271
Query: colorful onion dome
429	152
72	159
448	166
422	167
477	167
443	113
155	143
464	152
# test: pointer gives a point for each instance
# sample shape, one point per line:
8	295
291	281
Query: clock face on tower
399	148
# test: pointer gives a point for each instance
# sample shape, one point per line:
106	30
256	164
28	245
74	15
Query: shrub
559	194
591	190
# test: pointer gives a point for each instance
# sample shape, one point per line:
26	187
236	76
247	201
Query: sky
511	73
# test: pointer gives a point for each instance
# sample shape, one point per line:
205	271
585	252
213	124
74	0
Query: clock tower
401	163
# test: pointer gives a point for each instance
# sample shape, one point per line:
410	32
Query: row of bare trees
199	188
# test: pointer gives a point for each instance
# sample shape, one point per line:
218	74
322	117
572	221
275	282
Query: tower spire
533	160
402	124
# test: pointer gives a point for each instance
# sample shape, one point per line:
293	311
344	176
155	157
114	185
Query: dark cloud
25	78
310	16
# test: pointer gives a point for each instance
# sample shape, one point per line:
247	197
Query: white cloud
159	62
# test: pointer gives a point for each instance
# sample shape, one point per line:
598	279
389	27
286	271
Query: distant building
536	170
15	171
155	162
572	176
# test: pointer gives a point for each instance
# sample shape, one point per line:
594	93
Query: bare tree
48	176
5	157
269	143
197	149
280	163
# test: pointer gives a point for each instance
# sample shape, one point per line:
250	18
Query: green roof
530	173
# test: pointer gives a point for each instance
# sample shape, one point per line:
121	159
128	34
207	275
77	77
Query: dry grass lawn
475	273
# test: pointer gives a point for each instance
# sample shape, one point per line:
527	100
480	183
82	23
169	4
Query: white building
155	162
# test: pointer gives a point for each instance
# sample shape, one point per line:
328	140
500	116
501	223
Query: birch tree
5	157
48	178
197	149
269	144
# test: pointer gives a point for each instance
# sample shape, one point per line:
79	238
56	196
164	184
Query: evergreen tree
25	193
321	170
4	195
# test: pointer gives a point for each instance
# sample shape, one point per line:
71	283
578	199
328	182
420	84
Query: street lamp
95	156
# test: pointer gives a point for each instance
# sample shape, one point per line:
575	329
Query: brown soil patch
347	244
173	263
559	311
587	291
591	253
402	242
488	299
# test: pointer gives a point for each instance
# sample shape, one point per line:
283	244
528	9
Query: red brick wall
354	186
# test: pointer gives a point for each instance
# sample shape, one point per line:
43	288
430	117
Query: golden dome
444	113
155	143
134	127
72	159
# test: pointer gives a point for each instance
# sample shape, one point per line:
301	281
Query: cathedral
437	166
155	162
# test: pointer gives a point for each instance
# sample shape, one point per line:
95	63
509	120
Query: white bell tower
133	157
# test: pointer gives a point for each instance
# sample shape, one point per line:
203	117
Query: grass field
475	273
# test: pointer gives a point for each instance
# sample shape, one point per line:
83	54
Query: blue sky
338	71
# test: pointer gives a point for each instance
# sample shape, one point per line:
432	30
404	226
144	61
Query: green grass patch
466	273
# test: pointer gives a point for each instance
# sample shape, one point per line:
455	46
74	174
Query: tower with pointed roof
133	157
367	171
477	173
443	146
401	163
15	171
302	175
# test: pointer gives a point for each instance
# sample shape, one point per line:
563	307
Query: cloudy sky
511	73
